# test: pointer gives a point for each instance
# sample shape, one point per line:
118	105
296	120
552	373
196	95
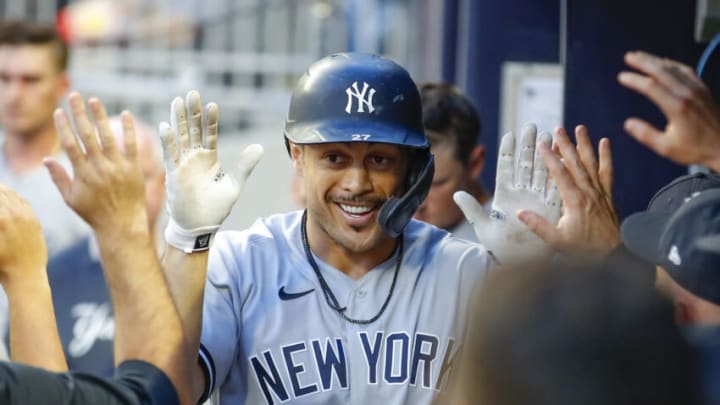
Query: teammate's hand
589	226
200	195
519	185
22	246
107	188
692	133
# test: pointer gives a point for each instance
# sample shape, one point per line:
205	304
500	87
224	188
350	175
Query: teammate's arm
34	338
107	191
199	198
134	383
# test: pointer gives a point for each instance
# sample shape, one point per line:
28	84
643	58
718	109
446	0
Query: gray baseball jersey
269	336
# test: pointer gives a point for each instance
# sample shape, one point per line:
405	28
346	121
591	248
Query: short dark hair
21	32
451	114
578	335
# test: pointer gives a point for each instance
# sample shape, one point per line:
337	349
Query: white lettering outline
359	95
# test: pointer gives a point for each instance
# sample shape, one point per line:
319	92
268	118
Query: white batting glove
199	194
521	184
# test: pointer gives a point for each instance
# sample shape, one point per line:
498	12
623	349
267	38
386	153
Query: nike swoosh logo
285	296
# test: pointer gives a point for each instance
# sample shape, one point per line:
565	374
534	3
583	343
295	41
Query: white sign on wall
531	92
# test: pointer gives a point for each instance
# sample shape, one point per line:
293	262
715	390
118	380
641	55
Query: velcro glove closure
189	241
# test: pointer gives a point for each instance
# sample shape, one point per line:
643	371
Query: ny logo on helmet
360	96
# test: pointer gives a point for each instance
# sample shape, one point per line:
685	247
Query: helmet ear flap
397	212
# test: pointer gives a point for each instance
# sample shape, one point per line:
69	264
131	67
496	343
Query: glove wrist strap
189	241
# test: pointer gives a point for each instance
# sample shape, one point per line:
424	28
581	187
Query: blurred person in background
81	298
667	235
685	273
33	80
577	335
691	136
453	128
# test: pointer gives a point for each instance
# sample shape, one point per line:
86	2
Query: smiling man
348	301
343	302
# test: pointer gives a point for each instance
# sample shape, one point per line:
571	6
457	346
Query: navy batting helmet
357	97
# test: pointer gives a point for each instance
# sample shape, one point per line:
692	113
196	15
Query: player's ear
476	162
62	86
296	154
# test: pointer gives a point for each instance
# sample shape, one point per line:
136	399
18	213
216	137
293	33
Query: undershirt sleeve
135	383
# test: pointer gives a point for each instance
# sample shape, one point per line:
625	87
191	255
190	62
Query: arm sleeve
135	383
220	324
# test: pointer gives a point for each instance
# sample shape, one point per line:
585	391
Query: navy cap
671	241
669	198
710	244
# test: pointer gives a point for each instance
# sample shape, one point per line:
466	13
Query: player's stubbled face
30	88
345	186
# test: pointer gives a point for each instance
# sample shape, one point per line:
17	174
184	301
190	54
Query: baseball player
348	301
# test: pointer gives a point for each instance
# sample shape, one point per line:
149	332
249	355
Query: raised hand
108	191
107	188
520	184
692	132
200	195
23	257
23	253
589	226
